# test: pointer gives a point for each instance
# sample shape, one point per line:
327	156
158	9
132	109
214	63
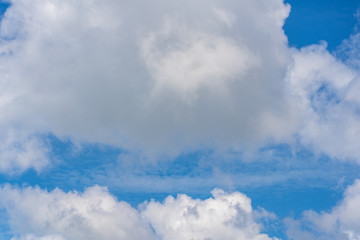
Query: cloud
342	222
179	77
326	92
32	237
96	214
185	60
20	151
225	216
167	78
349	51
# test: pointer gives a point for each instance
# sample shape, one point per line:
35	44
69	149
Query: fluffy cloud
164	78
326	92
342	222
95	214
225	216
176	77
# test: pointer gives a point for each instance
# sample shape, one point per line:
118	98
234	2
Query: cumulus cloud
179	76
35	214
194	59
94	214
342	222
326	92
225	216
166	78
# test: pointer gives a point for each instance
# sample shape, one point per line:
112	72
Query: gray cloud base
180	77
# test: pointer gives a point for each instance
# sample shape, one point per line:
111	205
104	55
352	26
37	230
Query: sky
179	120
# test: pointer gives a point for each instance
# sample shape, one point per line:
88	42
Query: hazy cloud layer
95	214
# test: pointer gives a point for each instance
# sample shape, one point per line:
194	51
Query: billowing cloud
96	214
225	216
342	222
327	93
165	77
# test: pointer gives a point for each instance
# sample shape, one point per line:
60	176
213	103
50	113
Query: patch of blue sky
278	174
3	6
311	21
282	180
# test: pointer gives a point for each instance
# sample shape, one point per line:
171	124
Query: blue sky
313	21
109	104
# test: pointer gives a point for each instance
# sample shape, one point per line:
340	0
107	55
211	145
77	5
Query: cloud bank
96	214
34	214
182	76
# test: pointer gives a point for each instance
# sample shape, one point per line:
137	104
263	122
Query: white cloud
326	92
32	237
185	60
35	214
94	214
163	78
342	222
349	51
225	216
20	151
166	78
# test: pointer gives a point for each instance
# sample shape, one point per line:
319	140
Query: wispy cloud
341	222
